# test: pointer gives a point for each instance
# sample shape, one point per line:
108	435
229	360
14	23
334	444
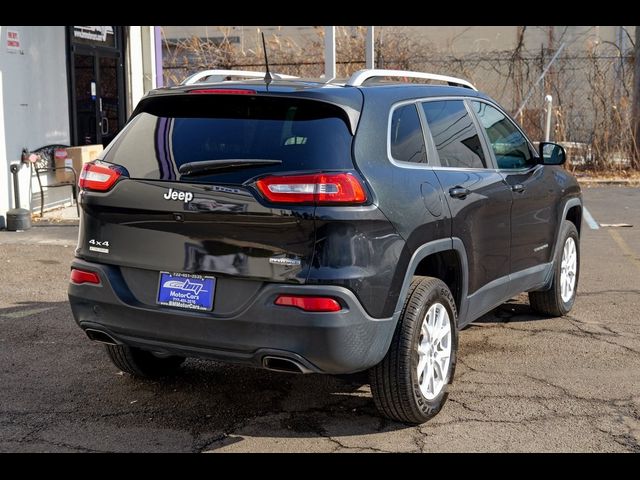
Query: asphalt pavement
523	383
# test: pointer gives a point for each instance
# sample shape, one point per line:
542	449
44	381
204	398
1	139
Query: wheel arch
572	211
445	259
574	215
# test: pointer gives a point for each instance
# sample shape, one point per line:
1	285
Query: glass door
97	84
84	70
108	100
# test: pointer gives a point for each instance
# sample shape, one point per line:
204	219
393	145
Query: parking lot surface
523	382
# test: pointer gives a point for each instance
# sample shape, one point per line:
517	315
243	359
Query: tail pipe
283	364
99	336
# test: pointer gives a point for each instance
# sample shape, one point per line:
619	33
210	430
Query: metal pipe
158	51
329	53
547	130
369	60
99	336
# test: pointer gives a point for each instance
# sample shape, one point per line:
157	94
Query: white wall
141	66
34	101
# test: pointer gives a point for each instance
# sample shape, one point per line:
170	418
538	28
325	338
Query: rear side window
454	134
407	140
172	131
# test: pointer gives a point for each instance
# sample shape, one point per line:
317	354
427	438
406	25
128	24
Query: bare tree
596	91
636	100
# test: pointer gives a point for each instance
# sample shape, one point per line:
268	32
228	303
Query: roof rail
224	74
361	76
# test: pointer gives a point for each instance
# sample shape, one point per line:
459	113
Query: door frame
117	52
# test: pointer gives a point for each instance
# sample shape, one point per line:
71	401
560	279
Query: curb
621	182
57	223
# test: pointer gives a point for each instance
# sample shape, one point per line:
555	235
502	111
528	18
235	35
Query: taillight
319	188
83	276
98	176
223	91
309	304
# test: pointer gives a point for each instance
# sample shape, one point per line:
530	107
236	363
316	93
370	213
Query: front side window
454	134
509	145
407	141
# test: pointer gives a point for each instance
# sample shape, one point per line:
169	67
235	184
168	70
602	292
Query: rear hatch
185	198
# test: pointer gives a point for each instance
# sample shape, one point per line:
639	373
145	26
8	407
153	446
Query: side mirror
552	154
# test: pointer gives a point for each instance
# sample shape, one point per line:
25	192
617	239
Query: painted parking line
593	225
626	249
25	313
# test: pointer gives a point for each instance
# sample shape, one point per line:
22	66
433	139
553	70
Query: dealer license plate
184	290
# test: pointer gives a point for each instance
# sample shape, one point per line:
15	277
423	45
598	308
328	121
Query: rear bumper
334	342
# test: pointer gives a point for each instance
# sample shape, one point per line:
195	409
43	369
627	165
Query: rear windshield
303	134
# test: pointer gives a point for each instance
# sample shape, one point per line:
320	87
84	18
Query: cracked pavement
523	382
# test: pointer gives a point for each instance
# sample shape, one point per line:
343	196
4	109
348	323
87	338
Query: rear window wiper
194	168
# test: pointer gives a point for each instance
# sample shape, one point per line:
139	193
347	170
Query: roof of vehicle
348	96
331	92
346	93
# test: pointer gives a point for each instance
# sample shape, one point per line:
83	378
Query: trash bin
18	219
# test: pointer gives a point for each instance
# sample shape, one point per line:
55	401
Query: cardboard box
61	159
83	154
76	157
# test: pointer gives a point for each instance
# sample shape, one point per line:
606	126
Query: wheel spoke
443	363
422	363
437	370
433	321
441	335
427	376
431	383
423	348
443	359
424	330
440	319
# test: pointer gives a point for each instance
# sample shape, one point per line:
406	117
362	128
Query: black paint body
364	255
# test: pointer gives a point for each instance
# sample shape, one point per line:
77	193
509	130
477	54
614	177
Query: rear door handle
519	188
459	192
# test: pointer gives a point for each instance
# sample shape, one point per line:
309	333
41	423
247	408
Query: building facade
459	40
68	85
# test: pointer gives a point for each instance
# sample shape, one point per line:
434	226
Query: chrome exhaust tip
99	336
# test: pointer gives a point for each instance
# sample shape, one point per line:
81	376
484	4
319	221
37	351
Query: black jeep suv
308	227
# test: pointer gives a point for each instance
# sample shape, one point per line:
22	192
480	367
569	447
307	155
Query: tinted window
454	134
302	134
509	145
407	141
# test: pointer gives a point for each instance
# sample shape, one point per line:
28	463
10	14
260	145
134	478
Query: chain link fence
591	90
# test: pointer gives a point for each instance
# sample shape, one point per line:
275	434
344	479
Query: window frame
487	141
489	160
433	159
428	153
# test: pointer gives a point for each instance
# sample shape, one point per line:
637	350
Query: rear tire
141	363
410	385
559	299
